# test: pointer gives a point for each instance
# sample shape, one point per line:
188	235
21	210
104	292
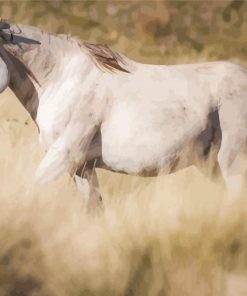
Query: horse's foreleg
67	152
87	183
95	202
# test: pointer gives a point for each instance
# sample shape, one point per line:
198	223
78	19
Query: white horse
92	103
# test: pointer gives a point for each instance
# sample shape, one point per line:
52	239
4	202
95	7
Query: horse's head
13	34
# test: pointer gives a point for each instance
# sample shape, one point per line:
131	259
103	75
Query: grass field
172	235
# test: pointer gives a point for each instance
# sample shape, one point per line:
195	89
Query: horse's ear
4	25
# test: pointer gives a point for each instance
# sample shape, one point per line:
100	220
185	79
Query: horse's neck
34	67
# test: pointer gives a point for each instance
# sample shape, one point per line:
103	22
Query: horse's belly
135	149
133	156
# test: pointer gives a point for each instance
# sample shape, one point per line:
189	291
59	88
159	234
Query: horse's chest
53	115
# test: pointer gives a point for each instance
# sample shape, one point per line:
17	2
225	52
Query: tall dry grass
172	235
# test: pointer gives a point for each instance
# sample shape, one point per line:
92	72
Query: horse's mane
105	58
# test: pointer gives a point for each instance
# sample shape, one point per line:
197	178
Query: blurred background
148	31
174	235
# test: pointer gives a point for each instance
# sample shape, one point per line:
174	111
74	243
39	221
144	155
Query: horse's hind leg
232	153
232	163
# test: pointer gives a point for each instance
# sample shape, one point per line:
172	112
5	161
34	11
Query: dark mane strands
104	57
